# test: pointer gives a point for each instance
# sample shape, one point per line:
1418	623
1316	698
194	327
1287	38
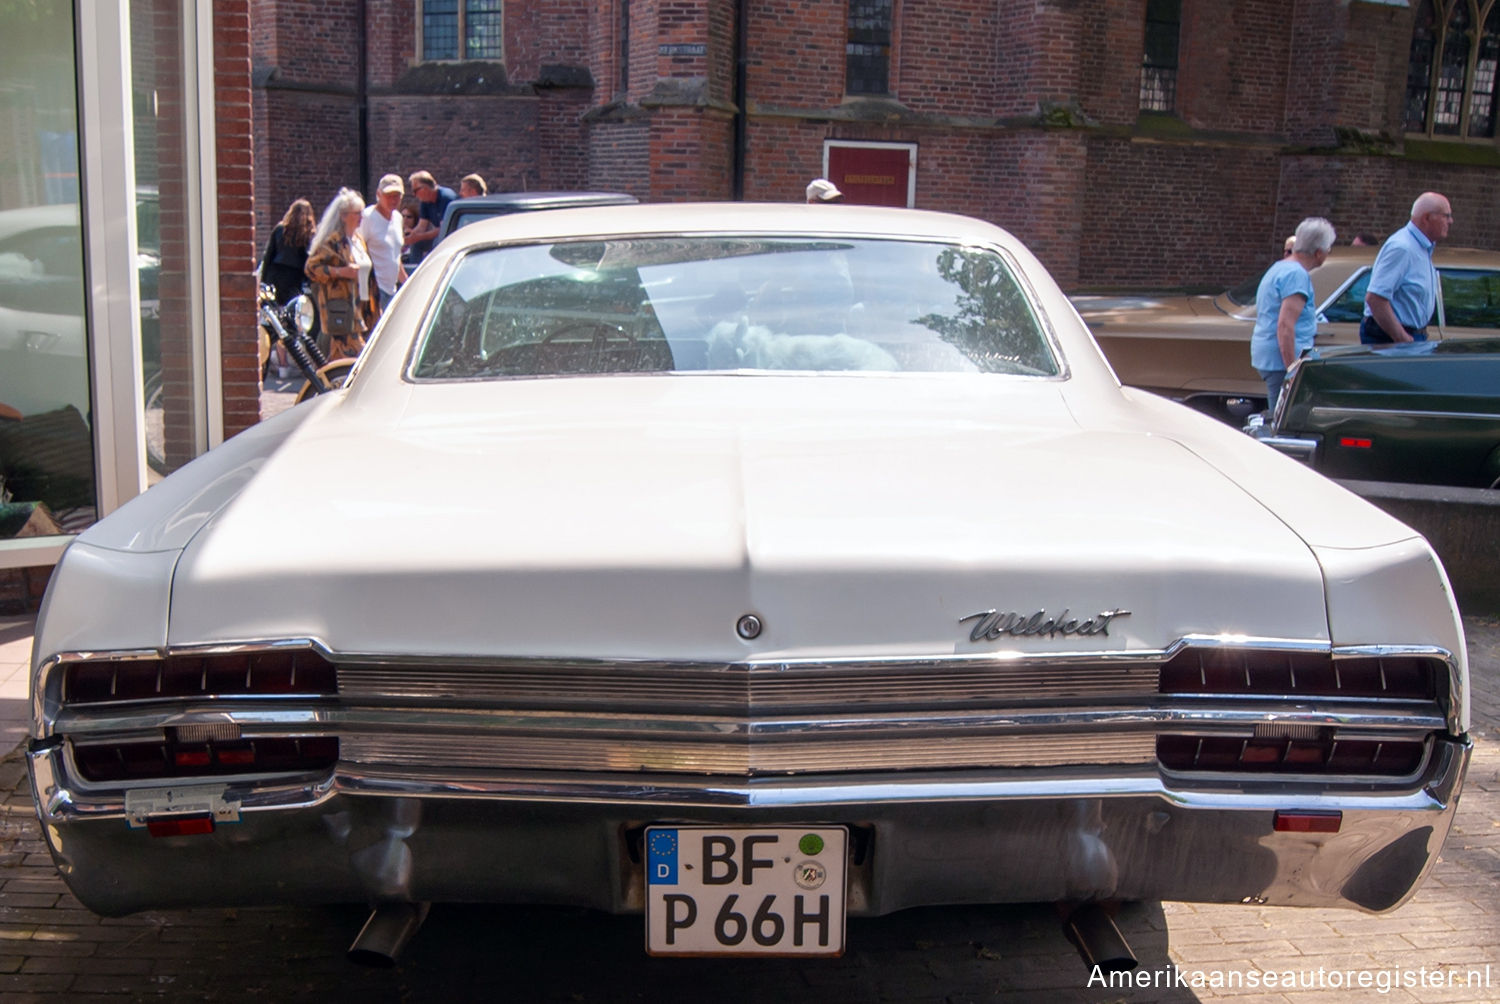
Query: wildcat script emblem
994	623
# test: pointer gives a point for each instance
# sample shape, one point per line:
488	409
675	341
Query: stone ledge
1461	524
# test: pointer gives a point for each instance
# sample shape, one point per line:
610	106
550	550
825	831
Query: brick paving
52	949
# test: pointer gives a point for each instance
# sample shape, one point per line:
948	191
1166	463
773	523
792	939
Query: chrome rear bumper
1032	835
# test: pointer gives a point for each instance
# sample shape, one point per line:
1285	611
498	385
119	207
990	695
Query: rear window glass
644	305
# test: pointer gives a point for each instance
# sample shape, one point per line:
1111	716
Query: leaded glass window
462	29
1454	69
1159	62
867	56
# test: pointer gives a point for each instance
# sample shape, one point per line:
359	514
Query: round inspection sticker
810	843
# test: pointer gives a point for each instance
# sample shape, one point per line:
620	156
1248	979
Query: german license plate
756	891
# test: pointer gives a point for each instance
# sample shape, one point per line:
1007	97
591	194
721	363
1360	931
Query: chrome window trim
1033	302
1332	298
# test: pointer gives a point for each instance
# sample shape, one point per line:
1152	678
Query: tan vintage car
1197	348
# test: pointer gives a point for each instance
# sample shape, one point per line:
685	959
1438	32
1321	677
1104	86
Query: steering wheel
587	347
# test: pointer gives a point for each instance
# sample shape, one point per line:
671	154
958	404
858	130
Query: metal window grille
1448	108
440	29
1159	61
867	55
1419	70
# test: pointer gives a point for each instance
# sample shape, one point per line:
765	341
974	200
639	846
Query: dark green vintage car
1423	412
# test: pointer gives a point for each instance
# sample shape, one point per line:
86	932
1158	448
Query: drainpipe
363	98
741	58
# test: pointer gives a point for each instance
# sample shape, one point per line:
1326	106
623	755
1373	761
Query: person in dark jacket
285	256
283	263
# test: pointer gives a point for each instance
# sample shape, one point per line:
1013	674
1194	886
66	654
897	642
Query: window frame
462	29
1479	12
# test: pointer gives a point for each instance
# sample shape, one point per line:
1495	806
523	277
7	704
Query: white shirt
383	237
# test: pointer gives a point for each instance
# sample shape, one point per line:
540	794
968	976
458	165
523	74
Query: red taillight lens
251	674
182	826
1235	671
1310	821
1355	443
135	761
1327	755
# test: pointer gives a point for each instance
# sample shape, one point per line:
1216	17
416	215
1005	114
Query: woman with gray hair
1285	315
339	267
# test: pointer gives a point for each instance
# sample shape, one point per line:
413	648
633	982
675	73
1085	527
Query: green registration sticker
810	843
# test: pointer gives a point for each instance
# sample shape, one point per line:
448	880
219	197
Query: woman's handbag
338	318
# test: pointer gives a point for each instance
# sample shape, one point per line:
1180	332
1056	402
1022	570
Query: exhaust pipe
384	936
1098	940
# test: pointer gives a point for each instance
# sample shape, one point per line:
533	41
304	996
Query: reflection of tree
992	324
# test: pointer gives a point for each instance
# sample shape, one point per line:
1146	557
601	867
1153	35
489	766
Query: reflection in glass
674	304
161	169
46	445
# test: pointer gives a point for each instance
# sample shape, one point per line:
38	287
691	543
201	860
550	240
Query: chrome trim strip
62	799
1331	413
998	658
46	711
1171	713
574	754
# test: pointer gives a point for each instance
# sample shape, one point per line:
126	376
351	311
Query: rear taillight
1269	673
172	758
299	671
1324	754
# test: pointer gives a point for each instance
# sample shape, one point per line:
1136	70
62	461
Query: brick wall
1233	64
1269	93
1177	214
234	152
494	137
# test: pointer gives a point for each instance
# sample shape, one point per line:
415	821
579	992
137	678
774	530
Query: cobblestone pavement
52	949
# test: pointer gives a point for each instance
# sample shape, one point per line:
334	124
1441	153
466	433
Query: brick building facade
1027	113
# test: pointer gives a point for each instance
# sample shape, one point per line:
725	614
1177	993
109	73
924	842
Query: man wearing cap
380	226
821	191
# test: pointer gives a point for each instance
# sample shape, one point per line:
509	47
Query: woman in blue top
1285	315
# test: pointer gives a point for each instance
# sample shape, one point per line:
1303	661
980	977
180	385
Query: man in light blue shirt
1285	315
1404	284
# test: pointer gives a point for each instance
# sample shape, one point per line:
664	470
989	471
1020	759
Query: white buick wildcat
746	567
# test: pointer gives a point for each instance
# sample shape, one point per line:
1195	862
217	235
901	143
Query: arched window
1451	73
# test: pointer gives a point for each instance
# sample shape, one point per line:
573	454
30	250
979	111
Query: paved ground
52	949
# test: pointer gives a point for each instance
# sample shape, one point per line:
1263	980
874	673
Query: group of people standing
1399	300
356	256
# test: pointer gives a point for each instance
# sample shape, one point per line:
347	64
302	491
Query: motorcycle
290	325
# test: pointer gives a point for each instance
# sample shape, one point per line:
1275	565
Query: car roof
792	219
1442	254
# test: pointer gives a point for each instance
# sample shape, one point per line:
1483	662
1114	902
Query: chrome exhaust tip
386	933
1093	932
